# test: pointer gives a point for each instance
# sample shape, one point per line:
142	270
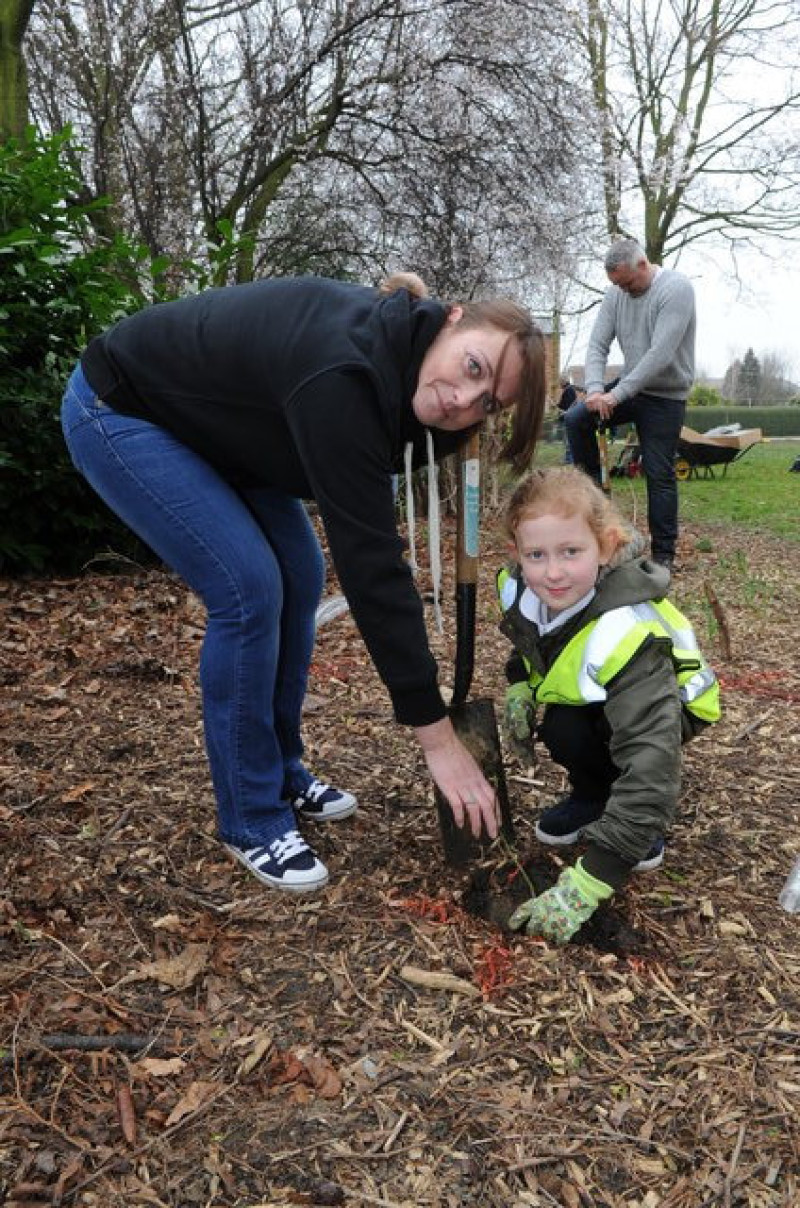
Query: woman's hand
459	777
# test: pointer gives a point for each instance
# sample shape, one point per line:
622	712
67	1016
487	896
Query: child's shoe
284	863
322	803
563	822
653	859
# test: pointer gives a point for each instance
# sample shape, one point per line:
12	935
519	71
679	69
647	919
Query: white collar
534	609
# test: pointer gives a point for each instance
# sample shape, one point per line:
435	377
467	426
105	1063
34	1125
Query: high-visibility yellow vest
605	645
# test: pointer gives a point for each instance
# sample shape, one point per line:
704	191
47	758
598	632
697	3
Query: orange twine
756	683
493	969
424	907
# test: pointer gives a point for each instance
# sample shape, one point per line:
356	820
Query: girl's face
461	380
560	558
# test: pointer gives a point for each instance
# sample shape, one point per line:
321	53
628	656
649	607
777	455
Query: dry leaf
285	1067
160	1067
127	1114
438	981
168	922
262	1043
324	1079
306	1070
729	927
79	791
176	971
197	1094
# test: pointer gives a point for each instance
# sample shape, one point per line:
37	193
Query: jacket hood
629	578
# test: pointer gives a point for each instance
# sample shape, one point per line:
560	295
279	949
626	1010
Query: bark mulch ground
174	1034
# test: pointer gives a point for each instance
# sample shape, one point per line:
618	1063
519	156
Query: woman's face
465	374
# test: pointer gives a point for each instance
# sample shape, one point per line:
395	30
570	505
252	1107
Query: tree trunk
14	17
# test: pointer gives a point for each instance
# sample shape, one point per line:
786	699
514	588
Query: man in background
650	311
568	396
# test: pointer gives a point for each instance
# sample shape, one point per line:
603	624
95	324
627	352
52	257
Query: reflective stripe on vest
507	589
599	651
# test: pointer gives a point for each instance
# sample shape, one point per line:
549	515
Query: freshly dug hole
494	892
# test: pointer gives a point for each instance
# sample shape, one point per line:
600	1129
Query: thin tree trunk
14	17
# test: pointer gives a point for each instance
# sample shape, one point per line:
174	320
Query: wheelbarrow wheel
682	469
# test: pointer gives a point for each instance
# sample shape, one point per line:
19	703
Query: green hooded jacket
654	687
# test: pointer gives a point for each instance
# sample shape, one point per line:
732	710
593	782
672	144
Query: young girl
620	676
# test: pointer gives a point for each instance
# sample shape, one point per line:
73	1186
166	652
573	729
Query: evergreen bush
773	421
58	287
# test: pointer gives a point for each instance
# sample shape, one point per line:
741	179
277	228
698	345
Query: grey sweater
656	333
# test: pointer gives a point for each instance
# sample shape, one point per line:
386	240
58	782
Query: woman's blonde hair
508	316
567	491
410	281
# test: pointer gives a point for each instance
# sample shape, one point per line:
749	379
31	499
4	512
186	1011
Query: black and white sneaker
322	803
562	823
284	863
654	858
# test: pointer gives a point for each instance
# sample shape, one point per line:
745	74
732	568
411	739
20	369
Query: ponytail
410	281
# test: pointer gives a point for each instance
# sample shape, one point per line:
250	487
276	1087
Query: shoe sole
574	836
276	882
332	816
649	865
557	840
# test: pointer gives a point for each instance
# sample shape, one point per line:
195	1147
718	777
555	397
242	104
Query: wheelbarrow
700	454
629	461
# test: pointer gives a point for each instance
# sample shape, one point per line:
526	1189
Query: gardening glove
519	716
562	910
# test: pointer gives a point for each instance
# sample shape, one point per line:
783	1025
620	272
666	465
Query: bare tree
776	384
303	133
14	17
697	104
486	196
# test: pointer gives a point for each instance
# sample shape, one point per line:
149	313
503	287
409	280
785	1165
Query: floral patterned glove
519	715
562	910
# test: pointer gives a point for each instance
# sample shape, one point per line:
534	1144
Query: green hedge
773	421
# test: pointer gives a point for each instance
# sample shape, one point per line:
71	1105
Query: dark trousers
658	423
578	739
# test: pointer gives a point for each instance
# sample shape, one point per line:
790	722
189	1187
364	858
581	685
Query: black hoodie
304	385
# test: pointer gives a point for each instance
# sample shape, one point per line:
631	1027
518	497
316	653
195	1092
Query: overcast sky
763	313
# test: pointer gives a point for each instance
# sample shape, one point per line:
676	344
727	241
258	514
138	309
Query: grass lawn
757	491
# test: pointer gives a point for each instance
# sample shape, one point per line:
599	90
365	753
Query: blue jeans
253	558
658	423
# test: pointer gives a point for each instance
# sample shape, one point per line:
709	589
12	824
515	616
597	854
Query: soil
175	1034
